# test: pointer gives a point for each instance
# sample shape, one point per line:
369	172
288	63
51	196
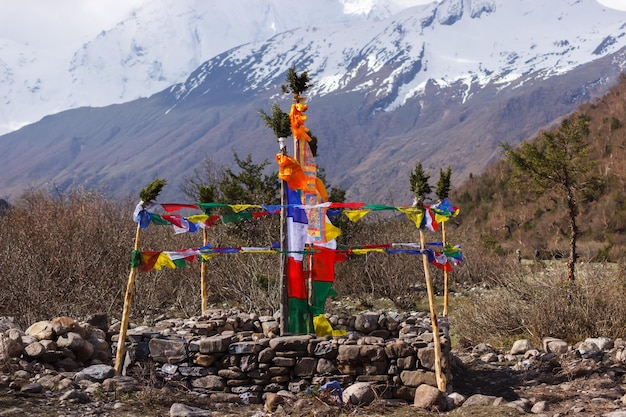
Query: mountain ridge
380	89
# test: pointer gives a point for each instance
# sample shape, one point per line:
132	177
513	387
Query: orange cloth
297	118
290	170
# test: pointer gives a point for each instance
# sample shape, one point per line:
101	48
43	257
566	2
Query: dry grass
534	303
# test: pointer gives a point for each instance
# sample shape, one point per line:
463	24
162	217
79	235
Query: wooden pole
203	267
441	378
128	300
284	313
445	274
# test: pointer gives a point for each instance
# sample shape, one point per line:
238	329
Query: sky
46	23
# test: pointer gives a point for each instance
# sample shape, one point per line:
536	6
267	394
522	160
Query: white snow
351	44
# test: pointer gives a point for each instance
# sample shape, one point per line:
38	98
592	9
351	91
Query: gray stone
70	340
209	382
326	367
554	345
168	350
95	373
33	388
398	349
182	410
430	398
243	348
603	343
35	350
266	355
9	347
455	400
417	378
539	407
215	344
479	400
359	393
305	367
521	346
270	328
76	396
288	343
366	322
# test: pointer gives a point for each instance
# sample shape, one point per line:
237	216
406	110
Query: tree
443	185
296	84
419	184
247	185
278	121
557	160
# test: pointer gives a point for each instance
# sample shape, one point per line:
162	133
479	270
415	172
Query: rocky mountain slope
442	83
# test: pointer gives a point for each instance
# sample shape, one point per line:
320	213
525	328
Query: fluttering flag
300	319
289	170
297	118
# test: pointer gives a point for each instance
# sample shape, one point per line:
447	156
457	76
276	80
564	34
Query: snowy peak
467	42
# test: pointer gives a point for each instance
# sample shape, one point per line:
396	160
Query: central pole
284	318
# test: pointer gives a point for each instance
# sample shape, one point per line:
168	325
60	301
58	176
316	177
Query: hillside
507	219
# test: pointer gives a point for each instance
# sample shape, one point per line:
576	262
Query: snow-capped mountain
157	45
443	83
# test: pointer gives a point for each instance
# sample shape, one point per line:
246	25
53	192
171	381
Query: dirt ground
565	386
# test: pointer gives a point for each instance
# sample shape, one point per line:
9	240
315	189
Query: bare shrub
62	255
538	304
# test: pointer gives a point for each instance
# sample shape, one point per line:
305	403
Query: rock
289	343
603	343
182	410
33	388
121	384
9	347
168	350
95	373
455	400
479	400
521	346
398	349
209	382
417	378
554	345
214	344
539	407
305	367
430	398
62	325
366	322
35	350
70	340
588	350
272	401
360	393
41	330
75	396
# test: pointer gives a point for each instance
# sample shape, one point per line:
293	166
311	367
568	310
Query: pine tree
419	184
558	160
278	121
443	185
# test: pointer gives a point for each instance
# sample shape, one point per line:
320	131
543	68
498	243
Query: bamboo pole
203	267
445	274
284	317
128	300
441	378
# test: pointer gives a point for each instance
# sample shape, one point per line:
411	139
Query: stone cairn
238	357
